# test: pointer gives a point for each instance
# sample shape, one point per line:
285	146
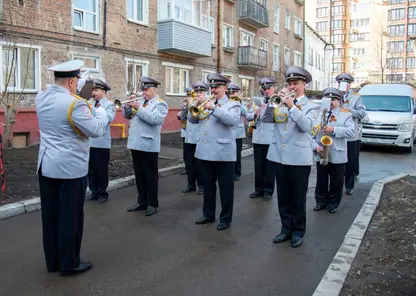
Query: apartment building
356	28
400	36
177	42
318	59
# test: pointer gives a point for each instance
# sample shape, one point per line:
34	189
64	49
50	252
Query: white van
390	121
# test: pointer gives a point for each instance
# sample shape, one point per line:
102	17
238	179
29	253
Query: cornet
196	111
118	104
278	100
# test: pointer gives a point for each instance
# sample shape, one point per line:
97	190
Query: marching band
289	134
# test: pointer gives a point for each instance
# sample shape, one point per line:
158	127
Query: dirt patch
386	261
20	167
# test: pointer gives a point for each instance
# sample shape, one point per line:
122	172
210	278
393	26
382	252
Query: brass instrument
278	100
118	104
326	140
197	111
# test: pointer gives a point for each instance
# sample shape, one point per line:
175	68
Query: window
395	63
397	30
287	19
411	12
338	67
287	56
85	15
322	12
297	59
338	25
205	74
410	46
411	63
298	27
246	38
394	78
177	78
338	10
247	86
91	63
358	51
396	14
359	37
339	52
20	68
191	12
134	70
137	11
264	44
360	8
395	46
360	23
209	25
310	56
276	58
321	26
227	36
411	29
337	38
276	19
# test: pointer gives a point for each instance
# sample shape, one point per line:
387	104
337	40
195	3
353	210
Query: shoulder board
160	100
234	100
355	94
344	110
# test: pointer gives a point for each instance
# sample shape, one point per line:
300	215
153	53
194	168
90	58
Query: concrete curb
33	205
334	278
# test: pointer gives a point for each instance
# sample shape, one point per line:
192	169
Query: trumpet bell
326	141
194	111
117	104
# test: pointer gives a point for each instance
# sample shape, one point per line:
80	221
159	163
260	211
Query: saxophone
326	141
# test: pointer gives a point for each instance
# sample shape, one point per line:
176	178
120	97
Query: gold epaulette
343	110
160	100
355	94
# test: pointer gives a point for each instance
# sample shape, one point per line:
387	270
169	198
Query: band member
66	122
100	147
291	153
189	95
339	126
353	103
192	164
240	132
146	119
262	137
216	150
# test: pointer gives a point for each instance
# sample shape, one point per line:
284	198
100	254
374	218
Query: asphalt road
168	254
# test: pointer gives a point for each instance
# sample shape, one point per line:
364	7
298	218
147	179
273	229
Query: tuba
326	140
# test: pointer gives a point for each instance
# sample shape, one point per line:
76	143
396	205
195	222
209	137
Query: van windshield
387	103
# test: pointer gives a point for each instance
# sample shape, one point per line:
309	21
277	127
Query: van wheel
409	149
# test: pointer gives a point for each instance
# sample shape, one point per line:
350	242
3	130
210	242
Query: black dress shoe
332	210
150	211
136	207
189	188
184	173
319	207
201	191
102	199
349	191
267	197
204	220
223	225
256	194
281	237
82	267
296	241
92	197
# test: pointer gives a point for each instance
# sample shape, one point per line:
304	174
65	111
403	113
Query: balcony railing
253	13
251	57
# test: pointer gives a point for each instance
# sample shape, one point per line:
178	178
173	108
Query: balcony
253	14
251	58
300	2
176	37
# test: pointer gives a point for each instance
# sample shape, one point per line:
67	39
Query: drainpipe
105	25
219	35
304	34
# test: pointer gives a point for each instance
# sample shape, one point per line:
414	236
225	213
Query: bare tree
380	56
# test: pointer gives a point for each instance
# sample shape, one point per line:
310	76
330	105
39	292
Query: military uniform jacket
264	131
105	140
146	124
64	151
354	102
216	134
239	129
343	125
291	144
192	127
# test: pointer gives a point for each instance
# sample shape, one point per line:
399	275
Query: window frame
276	19
181	67
37	70
97	19
145	21
277	68
231	27
145	71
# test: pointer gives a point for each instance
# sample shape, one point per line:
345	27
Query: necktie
329	115
295	101
145	103
216	102
97	104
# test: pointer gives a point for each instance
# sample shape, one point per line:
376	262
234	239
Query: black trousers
192	165
351	164
145	165
292	188
98	171
357	163
223	172
263	170
237	165
329	184
62	202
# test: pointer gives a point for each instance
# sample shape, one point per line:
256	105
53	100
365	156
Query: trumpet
278	100
118	104
196	111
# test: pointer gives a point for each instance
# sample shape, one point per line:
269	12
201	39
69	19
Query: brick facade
48	24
